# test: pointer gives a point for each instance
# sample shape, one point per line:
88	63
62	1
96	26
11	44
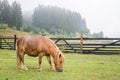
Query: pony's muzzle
59	69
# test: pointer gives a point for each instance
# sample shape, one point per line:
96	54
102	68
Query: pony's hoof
53	69
40	69
23	68
26	69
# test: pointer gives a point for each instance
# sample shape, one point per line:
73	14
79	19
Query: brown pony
39	46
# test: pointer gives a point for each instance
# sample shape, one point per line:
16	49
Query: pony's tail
17	53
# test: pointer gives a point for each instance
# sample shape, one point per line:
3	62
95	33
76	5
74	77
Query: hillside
11	32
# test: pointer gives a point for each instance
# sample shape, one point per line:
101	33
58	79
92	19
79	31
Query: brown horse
39	46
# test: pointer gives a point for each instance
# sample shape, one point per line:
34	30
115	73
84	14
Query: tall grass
76	67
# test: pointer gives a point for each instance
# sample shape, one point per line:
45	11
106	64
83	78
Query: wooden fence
8	42
75	45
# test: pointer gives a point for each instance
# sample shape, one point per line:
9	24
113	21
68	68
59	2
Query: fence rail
75	45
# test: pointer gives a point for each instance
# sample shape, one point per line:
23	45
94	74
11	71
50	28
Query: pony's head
59	62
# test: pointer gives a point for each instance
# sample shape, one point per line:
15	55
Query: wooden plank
103	46
86	38
101	38
101	52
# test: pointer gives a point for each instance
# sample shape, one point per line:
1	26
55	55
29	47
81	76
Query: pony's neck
55	54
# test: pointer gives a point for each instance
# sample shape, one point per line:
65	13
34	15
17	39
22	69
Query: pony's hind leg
21	61
50	62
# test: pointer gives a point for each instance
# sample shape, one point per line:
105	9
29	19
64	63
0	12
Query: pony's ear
60	55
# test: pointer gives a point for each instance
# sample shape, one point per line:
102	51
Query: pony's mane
52	42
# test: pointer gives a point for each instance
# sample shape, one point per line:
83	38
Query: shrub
3	26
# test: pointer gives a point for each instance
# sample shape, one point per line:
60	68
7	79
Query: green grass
76	67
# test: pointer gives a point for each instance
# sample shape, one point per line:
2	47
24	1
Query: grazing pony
39	46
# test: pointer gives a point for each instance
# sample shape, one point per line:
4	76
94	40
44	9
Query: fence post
81	43
0	43
15	39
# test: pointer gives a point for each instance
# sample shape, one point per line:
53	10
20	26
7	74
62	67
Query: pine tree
5	12
17	20
0	11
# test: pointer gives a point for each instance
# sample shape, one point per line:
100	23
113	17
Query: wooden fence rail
75	45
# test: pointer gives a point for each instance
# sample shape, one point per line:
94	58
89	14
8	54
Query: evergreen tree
84	30
98	35
0	11
17	20
5	12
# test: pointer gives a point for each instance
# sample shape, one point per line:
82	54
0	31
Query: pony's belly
32	53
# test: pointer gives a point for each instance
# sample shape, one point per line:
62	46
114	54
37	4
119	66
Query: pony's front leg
40	55
50	62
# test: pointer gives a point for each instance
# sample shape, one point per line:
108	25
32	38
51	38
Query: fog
101	15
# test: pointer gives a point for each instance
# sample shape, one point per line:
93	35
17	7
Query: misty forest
43	20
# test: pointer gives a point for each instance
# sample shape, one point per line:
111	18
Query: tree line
11	14
55	19
45	19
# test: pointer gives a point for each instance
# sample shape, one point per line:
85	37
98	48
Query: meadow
76	67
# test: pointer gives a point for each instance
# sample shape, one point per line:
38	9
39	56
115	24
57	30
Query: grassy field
76	67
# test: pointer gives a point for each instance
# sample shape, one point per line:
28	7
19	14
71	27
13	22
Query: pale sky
101	15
